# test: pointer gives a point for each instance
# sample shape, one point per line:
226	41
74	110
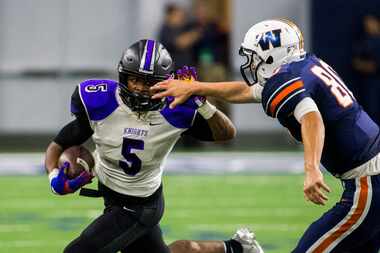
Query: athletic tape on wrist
207	110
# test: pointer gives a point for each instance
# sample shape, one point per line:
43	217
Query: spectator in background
178	36
211	49
211	46
199	41
366	62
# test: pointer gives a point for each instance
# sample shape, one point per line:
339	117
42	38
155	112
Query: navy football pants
127	224
352	225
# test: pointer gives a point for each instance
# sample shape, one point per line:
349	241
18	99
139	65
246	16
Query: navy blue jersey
351	137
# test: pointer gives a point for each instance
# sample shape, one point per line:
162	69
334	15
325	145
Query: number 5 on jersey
102	87
132	166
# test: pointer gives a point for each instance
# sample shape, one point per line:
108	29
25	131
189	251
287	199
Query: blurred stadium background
49	46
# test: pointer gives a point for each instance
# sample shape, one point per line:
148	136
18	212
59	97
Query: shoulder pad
181	116
98	97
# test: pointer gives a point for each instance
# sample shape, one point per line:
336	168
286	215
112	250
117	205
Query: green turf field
199	207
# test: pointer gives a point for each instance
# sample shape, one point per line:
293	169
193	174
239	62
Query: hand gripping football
80	159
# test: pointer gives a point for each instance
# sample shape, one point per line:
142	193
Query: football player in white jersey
133	135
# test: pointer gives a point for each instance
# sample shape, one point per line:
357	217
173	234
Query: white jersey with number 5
131	150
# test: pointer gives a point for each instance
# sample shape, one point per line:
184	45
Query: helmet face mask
146	62
267	45
138	99
249	69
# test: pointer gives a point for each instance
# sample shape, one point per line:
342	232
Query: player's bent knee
184	246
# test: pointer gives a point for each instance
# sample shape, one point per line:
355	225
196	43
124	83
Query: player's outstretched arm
213	125
181	90
313	134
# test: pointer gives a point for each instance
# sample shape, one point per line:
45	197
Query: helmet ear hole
269	60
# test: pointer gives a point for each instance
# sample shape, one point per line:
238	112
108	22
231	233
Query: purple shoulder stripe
180	117
98	97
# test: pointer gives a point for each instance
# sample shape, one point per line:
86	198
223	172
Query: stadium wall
46	42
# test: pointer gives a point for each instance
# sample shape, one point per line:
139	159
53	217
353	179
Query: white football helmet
267	45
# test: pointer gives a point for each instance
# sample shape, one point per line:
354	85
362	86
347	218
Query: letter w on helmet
266	46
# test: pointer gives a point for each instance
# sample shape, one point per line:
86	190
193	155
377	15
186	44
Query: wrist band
207	110
53	174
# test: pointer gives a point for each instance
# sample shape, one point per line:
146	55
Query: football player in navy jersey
133	135
309	98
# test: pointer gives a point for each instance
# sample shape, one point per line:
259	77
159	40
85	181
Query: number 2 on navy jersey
134	165
337	87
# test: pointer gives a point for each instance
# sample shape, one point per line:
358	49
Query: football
80	159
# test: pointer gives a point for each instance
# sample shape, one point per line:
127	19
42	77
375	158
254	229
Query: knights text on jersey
351	137
131	148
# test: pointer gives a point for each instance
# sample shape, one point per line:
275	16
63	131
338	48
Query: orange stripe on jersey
283	94
351	221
